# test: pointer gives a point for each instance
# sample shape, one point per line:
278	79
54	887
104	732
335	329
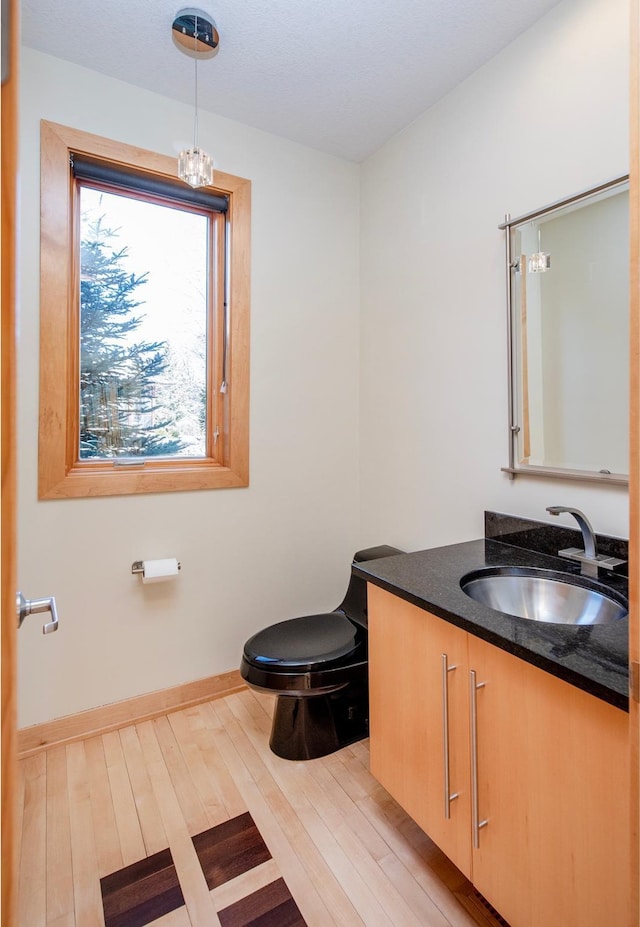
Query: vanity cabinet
539	768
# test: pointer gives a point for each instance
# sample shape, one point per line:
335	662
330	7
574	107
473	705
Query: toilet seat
303	642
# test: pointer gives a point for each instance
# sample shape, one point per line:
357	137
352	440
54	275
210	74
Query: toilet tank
354	604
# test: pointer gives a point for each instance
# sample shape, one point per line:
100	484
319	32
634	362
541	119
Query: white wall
547	117
250	557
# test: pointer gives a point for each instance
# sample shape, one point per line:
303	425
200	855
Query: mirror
568	318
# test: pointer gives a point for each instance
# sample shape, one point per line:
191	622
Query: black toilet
317	665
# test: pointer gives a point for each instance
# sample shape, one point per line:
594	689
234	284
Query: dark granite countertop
592	657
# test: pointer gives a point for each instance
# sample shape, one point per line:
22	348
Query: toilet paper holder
138	566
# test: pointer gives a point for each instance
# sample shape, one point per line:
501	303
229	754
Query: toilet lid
299	641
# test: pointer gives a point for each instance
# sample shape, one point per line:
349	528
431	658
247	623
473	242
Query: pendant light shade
195	167
194	33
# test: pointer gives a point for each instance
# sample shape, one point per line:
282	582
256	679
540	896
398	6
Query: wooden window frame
60	472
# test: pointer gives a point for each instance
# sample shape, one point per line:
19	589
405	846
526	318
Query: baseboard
130	711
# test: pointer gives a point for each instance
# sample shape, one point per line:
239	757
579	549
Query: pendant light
194	33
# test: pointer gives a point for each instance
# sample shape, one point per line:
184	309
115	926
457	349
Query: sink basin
544	595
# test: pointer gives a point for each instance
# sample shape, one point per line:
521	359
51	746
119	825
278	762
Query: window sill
85	481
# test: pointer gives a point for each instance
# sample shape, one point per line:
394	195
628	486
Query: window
144	322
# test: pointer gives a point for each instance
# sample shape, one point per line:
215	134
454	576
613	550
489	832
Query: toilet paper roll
159	571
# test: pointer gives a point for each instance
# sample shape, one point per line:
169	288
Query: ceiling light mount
194	33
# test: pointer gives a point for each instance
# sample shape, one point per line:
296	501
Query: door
8	155
8	613
419	719
553	789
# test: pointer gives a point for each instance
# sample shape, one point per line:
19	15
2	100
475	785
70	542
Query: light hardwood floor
348	853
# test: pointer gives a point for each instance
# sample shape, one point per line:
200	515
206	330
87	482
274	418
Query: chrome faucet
589	558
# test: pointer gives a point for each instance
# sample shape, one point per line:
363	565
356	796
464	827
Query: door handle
26	607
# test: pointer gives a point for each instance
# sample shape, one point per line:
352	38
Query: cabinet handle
476	823
448	796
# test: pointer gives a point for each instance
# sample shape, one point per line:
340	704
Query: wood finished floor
347	853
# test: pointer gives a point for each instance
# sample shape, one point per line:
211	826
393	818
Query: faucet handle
601	560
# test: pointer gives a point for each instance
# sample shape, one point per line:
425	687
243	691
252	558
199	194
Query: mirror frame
516	469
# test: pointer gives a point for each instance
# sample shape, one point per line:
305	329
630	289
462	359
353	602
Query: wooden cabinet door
553	786
410	654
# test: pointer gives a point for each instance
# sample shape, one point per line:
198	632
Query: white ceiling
341	76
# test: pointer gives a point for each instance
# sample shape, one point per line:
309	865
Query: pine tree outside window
144	323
